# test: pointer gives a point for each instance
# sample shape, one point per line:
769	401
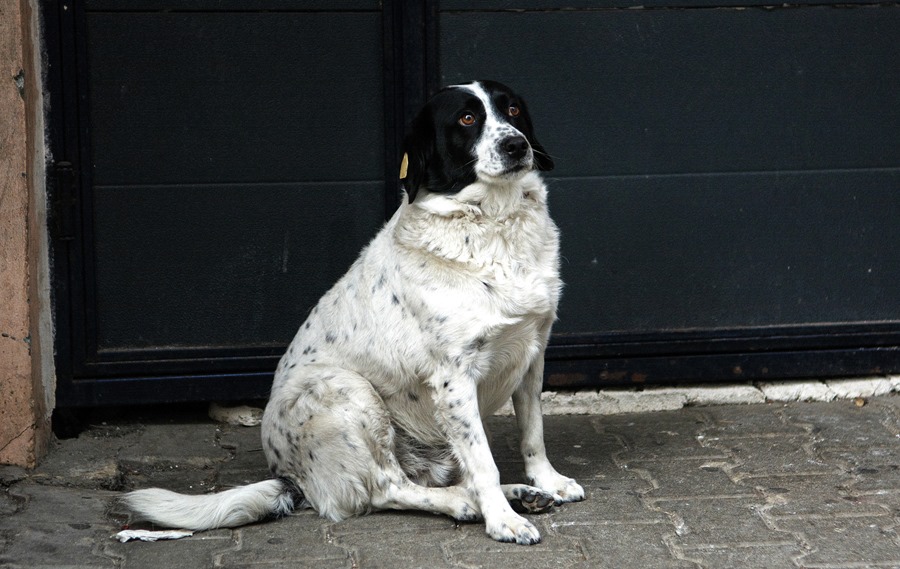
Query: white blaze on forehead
496	128
478	90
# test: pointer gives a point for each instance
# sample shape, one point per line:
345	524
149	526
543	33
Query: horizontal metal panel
231	5
602	5
682	91
725	251
222	265
559	374
228	97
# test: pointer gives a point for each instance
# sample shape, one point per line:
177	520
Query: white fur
378	402
232	508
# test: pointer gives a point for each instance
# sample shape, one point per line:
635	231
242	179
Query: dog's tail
231	508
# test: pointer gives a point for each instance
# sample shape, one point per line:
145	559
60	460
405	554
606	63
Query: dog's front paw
564	488
511	528
570	492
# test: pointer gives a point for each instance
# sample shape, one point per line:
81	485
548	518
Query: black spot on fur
329	338
394	299
412	396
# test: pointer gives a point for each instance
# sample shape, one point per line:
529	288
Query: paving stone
672	436
57	504
186	446
472	551
617	545
173	477
11	474
749	421
744	556
768	455
383	539
239	439
864	458
887	500
615	501
680	478
873	480
198	550
90	460
817	495
298	540
55	527
719	521
247	463
70	545
846	542
10	504
843	423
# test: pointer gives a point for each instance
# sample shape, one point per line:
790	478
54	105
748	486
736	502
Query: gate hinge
63	202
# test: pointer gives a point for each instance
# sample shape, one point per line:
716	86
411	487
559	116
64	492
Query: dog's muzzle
517	152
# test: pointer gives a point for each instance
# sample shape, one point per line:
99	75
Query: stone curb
617	401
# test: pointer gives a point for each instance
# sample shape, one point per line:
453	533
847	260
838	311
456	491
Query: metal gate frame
410	43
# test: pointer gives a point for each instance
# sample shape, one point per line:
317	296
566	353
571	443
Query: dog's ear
419	149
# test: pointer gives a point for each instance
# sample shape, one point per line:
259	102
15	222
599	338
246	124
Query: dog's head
479	131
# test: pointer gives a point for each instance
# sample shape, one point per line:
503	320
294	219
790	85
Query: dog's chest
505	269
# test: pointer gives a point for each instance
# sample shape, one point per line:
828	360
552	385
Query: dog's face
479	131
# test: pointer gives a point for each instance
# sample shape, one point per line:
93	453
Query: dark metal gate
727	182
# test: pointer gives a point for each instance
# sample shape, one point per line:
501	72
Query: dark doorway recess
727	182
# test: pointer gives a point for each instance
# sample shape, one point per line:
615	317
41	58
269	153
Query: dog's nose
515	146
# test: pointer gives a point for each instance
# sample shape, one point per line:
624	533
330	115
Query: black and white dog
378	402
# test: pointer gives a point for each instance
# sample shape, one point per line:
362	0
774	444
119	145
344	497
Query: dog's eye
467	119
513	110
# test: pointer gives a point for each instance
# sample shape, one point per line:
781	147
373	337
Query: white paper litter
242	415
147	535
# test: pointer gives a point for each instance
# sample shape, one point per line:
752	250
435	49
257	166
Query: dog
378	402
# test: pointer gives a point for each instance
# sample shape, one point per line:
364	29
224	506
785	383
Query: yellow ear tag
404	164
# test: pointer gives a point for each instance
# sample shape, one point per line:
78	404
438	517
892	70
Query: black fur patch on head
440	147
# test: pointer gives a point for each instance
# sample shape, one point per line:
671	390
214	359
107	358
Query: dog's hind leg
528	499
452	501
328	431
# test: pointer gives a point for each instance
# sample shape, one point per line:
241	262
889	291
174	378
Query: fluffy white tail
231	508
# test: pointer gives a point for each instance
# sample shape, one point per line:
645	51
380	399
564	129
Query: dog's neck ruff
497	200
